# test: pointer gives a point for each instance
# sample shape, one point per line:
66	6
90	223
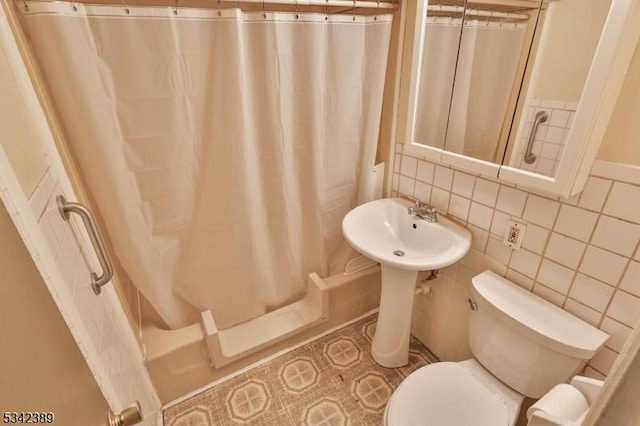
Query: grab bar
65	207
541	117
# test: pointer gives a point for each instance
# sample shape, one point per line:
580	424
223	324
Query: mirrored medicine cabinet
519	90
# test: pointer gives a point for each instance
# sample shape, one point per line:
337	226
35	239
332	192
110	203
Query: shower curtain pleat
436	80
222	152
489	56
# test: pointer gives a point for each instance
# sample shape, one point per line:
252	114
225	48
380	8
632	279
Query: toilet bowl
453	393
522	346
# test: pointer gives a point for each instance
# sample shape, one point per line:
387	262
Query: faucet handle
432	214
416	202
416	205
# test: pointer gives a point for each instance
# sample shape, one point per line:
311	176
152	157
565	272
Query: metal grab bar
65	207
541	117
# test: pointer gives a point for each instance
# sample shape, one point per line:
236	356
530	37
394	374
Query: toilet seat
445	394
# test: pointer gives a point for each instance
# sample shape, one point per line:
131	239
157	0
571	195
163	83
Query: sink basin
384	231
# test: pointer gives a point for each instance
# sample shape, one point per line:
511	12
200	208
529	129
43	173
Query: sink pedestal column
390	346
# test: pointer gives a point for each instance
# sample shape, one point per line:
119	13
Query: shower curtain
223	148
436	79
487	61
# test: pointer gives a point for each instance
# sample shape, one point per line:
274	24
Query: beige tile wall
550	136
581	254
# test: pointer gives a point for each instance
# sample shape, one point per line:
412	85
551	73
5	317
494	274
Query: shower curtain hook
175	8
219	11
26	6
264	12
326	10
375	18
126	8
73	5
353	11
297	15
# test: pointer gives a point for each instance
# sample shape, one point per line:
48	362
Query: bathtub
179	363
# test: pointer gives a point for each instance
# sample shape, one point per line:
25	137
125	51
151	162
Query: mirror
559	68
488	68
473	57
441	30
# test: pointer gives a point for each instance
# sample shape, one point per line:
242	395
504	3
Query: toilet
522	346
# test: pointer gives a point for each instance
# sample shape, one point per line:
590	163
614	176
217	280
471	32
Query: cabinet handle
65	207
541	117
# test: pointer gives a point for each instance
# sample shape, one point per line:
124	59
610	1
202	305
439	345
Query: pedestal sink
385	231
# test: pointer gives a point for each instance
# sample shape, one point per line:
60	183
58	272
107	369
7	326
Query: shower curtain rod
358	4
476	12
346	5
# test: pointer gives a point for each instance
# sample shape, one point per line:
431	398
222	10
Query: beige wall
571	32
621	142
41	368
619	399
20	141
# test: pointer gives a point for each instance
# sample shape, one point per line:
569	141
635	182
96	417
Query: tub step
226	346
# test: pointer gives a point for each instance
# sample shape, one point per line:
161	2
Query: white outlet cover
513	234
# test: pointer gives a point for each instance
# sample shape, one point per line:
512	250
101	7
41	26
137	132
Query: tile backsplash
581	254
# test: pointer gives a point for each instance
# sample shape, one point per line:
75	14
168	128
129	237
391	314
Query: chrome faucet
423	211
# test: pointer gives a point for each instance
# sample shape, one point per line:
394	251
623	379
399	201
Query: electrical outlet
514	234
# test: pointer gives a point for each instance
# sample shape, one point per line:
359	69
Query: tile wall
95	321
550	136
581	254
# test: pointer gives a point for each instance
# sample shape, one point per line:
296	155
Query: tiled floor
332	381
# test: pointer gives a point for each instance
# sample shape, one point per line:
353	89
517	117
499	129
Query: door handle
132	415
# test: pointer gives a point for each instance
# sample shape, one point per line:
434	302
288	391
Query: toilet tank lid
543	321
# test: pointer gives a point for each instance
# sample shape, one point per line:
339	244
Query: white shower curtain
436	79
487	61
222	151
489	55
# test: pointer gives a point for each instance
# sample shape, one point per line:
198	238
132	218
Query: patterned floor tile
369	388
332	381
326	411
368	328
343	352
327	407
200	410
250	398
195	417
298	374
373	390
417	359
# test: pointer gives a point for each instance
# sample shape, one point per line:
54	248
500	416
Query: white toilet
522	346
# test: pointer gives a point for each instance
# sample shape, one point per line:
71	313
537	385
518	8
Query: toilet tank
528	343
